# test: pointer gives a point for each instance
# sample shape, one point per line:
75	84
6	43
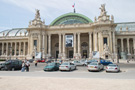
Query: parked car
67	66
95	66
31	60
52	67
43	60
2	65
112	68
49	61
77	63
90	61
105	62
13	65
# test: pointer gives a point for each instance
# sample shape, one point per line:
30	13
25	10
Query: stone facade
100	35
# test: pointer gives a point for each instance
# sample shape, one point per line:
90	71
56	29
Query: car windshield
113	65
64	64
93	63
51	64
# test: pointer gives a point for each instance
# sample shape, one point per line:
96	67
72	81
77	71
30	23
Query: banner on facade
69	40
38	55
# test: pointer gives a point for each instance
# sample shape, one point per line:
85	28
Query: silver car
77	63
67	66
95	66
112	68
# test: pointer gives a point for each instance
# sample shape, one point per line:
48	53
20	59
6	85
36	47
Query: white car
112	68
95	66
78	63
67	66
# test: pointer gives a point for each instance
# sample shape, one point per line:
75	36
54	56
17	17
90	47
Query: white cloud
50	9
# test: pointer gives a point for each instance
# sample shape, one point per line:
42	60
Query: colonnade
14	48
122	47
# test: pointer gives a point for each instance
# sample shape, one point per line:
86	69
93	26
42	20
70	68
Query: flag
73	5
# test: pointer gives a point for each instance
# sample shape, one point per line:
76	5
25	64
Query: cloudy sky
18	13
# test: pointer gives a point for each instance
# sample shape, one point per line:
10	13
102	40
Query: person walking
27	66
23	66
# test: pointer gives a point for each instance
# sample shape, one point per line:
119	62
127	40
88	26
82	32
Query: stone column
60	45
31	45
2	48
134	45
64	45
24	48
90	44
114	49
122	45
49	45
45	43
96	43
99	42
128	45
7	48
74	44
11	48
43	46
15	49
19	48
39	47
79	45
110	43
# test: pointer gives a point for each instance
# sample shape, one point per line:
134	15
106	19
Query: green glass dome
71	18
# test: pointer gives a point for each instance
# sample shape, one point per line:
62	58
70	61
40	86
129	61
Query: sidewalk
125	61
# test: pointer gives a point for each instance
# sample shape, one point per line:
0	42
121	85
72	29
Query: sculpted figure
37	14
103	11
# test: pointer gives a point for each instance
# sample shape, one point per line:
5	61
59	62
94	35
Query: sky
18	13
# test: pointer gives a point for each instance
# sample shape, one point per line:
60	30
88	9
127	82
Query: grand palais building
70	36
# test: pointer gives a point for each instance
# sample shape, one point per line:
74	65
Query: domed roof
71	18
14	32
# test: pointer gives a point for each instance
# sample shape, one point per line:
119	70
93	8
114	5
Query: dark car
49	61
31	60
52	67
13	65
2	65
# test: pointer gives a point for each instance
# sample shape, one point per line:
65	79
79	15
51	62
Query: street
79	79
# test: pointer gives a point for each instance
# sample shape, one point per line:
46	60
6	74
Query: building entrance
84	53
71	54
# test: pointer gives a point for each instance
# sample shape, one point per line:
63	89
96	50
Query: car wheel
70	69
89	70
106	71
13	69
2	69
75	68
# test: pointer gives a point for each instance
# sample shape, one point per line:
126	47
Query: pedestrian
36	63
23	66
27	66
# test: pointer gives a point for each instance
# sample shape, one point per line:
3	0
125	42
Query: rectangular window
35	43
105	40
